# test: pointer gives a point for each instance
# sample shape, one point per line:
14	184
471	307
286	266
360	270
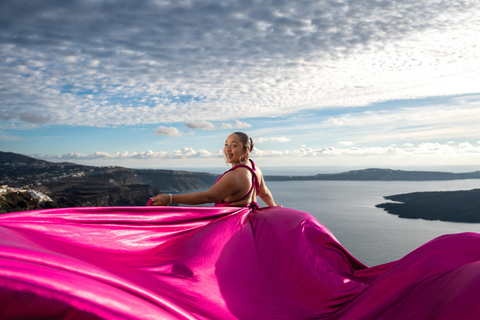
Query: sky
161	84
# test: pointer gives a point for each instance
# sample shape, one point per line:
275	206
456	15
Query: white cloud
168	131
274	139
408	150
84	63
345	143
203	125
183	153
433	149
237	125
339	121
440	121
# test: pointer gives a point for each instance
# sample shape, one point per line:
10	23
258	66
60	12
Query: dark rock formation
455	206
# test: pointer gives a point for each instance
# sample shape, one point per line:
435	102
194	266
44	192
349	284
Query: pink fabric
219	263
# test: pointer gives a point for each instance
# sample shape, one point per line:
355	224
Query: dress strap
252	169
255	183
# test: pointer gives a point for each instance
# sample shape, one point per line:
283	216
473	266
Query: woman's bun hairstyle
246	140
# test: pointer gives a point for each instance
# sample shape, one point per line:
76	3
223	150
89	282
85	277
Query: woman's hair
246	140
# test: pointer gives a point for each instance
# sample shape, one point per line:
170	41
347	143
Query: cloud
35	118
168	131
345	143
274	139
421	149
183	153
445	120
338	121
157	62
203	125
6	116
465	151
6	137
237	125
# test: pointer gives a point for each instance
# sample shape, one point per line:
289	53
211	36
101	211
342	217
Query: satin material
219	263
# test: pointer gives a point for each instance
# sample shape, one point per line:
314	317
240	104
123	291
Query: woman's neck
239	163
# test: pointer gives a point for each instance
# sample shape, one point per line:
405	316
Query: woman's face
233	149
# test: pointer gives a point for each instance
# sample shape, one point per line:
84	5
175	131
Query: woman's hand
162	200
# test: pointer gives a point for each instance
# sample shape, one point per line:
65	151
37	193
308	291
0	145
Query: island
454	206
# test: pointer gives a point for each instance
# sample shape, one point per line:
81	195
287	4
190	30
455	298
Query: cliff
70	185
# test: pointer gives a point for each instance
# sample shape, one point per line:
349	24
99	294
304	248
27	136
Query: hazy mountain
374	174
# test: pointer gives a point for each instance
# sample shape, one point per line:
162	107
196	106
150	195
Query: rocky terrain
27	183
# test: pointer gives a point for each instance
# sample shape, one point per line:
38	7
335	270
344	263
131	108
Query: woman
230	262
238	187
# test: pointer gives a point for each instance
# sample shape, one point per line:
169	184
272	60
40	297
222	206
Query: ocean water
347	209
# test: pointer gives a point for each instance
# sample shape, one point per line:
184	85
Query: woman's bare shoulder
237	173
258	171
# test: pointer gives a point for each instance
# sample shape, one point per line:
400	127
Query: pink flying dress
219	263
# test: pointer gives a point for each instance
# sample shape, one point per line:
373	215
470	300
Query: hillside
69	184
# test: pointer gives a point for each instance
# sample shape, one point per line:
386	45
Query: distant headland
454	206
374	174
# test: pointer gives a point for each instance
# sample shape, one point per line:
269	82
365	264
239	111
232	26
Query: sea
347	209
373	236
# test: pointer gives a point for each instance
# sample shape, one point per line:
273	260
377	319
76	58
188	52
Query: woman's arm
224	188
265	194
267	198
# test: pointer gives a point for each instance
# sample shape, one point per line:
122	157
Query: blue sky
315	83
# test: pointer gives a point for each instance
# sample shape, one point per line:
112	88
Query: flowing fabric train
219	263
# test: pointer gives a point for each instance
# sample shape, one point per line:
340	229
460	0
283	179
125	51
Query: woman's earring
242	161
